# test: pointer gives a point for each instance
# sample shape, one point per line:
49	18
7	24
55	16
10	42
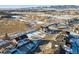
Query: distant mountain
42	7
60	6
64	6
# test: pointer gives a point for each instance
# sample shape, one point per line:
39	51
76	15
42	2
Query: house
74	42
4	44
23	47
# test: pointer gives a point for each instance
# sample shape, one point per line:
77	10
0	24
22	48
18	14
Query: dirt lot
10	26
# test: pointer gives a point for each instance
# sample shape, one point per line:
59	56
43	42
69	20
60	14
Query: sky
34	3
17	6
39	2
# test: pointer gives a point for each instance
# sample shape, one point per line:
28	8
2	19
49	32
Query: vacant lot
10	26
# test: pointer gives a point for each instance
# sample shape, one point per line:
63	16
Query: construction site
40	30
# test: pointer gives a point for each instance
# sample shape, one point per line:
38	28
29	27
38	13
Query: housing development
40	30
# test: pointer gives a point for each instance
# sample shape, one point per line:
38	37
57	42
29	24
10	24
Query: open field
11	26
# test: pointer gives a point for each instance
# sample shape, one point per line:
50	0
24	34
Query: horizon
15	6
28	6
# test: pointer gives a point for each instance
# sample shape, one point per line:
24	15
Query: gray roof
23	47
2	42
